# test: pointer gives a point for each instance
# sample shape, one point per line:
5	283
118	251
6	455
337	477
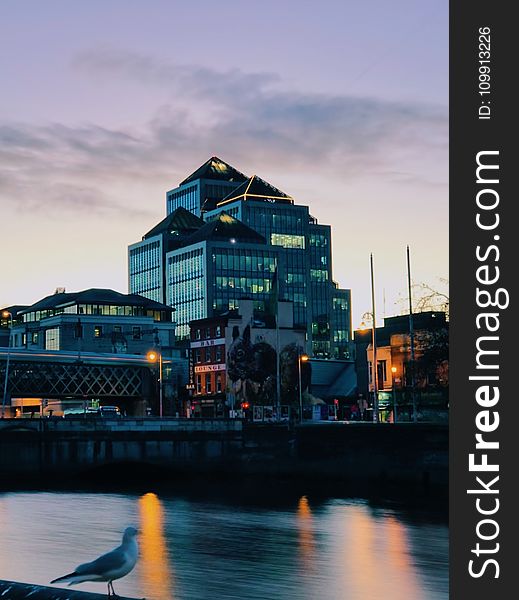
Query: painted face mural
251	369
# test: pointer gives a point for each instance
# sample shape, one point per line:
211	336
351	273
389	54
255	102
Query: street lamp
301	358
154	356
7	315
393	371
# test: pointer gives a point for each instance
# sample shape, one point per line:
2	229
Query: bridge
72	375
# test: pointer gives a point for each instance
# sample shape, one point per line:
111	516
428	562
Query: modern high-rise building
147	258
252	230
200	192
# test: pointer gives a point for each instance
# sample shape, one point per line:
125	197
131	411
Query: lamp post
7	315
301	358
393	373
154	356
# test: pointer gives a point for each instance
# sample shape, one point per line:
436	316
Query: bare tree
426	297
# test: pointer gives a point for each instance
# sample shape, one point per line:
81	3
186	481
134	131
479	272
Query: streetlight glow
301	359
153	357
393	371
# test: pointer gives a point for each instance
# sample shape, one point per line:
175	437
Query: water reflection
306	534
375	557
155	566
208	550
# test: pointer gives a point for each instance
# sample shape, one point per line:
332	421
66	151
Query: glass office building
221	263
250	228
210	183
147	258
305	245
145	269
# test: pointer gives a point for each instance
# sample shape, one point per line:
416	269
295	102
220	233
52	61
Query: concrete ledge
14	590
143	424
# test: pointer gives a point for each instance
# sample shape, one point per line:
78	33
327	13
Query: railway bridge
121	379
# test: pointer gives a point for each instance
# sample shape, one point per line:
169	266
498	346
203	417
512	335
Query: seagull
112	565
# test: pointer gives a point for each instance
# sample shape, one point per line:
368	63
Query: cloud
230	113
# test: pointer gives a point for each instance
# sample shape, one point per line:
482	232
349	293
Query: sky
107	104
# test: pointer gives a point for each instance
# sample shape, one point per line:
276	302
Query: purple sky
107	104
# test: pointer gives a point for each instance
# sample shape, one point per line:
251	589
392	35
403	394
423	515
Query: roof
333	378
422	321
14	309
179	221
94	296
256	188
215	168
225	228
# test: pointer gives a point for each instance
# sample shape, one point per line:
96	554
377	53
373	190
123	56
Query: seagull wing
105	564
104	568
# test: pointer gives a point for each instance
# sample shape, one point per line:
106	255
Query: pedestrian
363	407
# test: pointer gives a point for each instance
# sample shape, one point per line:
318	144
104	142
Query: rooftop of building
179	222
256	188
427	320
216	169
99	296
12	310
226	229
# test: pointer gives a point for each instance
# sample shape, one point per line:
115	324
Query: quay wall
406	452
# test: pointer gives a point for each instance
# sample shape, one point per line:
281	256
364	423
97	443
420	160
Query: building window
197	334
218	355
198	356
218	382
218	331
381	372
208	384
199	384
208	355
287	240
118	329
52	339
136	333
98	331
208	333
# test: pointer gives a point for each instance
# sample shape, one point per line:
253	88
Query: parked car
109	411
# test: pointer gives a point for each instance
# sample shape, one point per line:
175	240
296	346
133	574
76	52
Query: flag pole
411	336
374	369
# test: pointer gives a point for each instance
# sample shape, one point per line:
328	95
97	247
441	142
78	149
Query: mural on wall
251	370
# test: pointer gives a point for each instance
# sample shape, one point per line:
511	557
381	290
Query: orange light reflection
306	533
156	569
375	558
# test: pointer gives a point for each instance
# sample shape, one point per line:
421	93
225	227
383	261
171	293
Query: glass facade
210	278
52	339
341	313
284	225
186	196
187	286
306	276
145	269
238	273
214	278
193	195
319	255
107	310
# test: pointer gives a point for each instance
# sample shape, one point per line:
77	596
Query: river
196	549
